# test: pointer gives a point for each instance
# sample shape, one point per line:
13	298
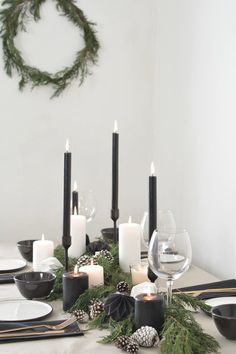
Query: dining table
88	343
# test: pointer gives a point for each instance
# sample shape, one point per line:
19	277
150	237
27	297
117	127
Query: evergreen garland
181	334
13	18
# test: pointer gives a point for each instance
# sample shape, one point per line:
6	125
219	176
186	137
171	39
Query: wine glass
165	221
87	205
169	265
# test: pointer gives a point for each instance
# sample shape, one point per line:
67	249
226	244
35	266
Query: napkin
230	283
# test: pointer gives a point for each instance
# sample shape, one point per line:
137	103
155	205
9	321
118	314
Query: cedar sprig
182	334
97	292
123	327
14	17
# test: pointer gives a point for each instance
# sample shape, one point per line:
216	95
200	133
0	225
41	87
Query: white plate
171	258
11	264
23	310
221	301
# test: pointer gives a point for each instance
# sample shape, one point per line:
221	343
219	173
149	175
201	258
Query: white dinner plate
171	258
11	265
23	310
221	301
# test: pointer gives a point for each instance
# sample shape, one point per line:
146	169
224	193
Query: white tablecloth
88	342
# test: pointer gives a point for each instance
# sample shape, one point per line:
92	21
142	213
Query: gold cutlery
28	334
59	326
196	293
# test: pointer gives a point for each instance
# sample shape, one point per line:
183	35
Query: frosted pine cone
146	337
123	287
96	308
104	253
83	260
132	348
122	342
81	316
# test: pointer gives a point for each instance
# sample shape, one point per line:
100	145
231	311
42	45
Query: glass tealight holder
139	272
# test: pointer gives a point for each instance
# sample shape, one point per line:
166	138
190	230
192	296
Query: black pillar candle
74	284
152	212
115	178
75	200
149	311
66	237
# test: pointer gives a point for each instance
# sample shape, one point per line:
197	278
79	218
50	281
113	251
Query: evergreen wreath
13	18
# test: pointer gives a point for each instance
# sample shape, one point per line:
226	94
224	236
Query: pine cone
146	336
81	316
123	287
104	253
122	342
132	348
83	260
97	307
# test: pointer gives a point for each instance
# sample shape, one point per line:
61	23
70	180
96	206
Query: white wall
34	128
195	124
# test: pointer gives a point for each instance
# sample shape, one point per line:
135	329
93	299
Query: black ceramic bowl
35	285
26	249
108	234
225	320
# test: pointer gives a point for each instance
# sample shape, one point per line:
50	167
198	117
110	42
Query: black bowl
225	320
26	249
35	285
108	234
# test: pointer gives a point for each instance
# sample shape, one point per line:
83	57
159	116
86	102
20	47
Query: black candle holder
149	311
74	284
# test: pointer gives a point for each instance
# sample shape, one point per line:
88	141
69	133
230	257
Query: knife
28	334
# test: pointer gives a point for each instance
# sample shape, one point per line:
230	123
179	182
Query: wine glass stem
169	284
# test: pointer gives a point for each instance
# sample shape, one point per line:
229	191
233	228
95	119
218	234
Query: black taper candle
152	212
66	237
115	178
75	200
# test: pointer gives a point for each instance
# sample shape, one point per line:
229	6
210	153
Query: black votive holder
149	311
74	284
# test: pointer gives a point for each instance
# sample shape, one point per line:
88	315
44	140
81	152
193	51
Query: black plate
70	331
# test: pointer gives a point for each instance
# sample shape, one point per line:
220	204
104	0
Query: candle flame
67	145
75	211
76	269
130	219
75	186
152	169
43	237
115	127
91	261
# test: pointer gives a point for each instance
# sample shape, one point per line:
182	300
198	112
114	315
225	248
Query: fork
60	326
196	293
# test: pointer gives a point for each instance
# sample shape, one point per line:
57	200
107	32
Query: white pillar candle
139	273
42	249
129	244
95	273
78	235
